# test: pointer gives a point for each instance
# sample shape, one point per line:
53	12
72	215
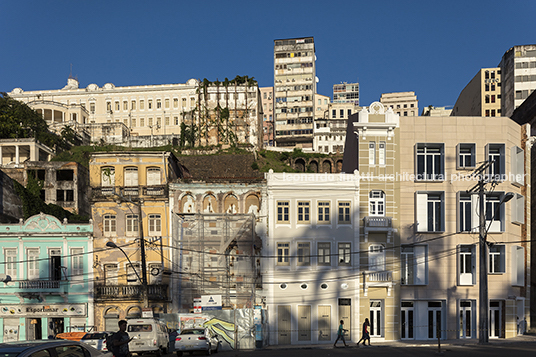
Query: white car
196	339
97	339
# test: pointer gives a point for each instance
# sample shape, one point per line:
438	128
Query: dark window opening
37	174
64	175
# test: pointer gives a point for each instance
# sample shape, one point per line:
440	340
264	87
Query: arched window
131	176
108	176
153	176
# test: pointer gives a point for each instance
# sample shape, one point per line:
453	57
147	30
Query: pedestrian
340	334
120	341
366	334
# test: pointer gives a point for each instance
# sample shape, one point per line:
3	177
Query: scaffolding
218	255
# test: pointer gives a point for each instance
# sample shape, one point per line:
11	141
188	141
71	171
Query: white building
403	103
518	71
311	276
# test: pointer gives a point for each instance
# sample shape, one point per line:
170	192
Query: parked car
52	348
196	339
97	340
149	336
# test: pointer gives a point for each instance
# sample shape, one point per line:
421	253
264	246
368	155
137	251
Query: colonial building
47	278
311	269
130	207
267	100
403	103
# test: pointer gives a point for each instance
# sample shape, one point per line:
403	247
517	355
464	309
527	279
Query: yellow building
130	208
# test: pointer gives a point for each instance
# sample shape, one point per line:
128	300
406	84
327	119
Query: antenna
71	72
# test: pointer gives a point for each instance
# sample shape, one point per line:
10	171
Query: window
376	203
303	212
283	253
117	106
155	224
466	265
344	254
496	259
132	223
518	209
109	224
133	273
518	166
166	103
430	162
282	212
414	265
344	213
110	274
133	105
494	212
304	253
77	264
11	262
150	104
153	176
372	153
466	156
131	176
518	266
324	253
376	256
381	153
64	195
142	104
175	102
467	215
155	273
495	155
55	265
323	212
158	104
430	211
33	263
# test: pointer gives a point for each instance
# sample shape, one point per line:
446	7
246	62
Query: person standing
340	334
121	340
366	334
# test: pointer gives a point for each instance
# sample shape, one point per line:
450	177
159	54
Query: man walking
340	335
120	341
366	334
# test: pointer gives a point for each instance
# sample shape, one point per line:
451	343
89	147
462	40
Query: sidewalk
428	343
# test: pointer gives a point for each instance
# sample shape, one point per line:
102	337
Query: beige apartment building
481	96
439	226
403	103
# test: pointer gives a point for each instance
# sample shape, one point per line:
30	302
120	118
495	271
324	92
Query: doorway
376	318
35	331
283	325
466	319
495	321
407	321
434	319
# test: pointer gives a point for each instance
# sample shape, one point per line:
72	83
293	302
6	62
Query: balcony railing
119	292
39	284
155	191
108	192
381	222
379	276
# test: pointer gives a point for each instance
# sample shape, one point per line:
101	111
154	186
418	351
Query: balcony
110	192
377	222
130	292
39	284
379	276
155	191
102	192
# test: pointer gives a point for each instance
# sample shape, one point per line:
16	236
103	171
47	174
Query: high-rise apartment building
518	70
267	101
346	93
403	103
294	88
481	96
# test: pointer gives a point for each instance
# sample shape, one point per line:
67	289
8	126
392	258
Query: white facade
311	276
518	71
403	103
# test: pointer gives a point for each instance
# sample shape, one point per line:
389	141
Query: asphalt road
504	350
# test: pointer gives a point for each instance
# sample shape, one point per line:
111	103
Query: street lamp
143	280
483	337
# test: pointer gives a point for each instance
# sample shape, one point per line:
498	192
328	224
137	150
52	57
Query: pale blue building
47	279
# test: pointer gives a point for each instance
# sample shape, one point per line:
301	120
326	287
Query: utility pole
483	337
145	288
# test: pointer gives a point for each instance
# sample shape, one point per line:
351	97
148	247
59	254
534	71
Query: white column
17	154
1	156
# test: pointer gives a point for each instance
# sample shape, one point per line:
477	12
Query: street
499	350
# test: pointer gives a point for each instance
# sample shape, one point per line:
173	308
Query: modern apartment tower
294	88
518	70
346	93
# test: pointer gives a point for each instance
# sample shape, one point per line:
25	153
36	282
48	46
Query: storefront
41	321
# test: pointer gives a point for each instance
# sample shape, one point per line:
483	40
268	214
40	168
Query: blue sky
431	47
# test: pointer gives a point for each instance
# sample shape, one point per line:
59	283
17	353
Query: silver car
196	339
97	340
48	348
